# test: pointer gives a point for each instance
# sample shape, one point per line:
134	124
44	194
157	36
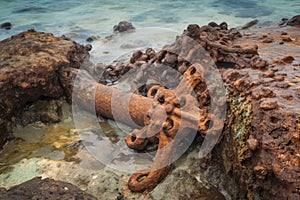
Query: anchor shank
122	103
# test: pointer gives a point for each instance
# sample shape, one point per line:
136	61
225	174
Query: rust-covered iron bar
108	98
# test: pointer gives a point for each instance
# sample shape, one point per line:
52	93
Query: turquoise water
80	19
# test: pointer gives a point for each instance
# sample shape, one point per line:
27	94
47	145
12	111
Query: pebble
260	172
269	73
288	59
123	26
93	38
120	197
278	78
252	144
268	41
262	64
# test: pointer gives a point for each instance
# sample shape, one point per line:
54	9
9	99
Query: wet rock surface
294	21
29	67
44	111
6	25
123	26
38	188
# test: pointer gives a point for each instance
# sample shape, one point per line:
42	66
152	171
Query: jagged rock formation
261	145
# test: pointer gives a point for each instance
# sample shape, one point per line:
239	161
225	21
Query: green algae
51	142
25	170
241	109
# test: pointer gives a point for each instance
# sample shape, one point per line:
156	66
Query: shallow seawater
156	22
62	152
81	19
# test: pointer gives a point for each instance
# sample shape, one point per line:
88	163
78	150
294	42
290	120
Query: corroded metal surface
137	106
173	112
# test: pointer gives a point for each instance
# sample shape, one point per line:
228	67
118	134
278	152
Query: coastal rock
123	26
93	38
29	66
261	152
294	21
44	111
38	188
6	25
250	24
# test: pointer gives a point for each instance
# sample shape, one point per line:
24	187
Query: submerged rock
294	21
250	24
93	38
44	111
6	25
123	26
38	188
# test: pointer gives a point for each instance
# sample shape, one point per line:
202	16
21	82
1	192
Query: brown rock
294	21
260	172
268	40
269	73
268	104
252	144
288	59
123	26
26	80
274	119
193	30
288	39
37	188
278	78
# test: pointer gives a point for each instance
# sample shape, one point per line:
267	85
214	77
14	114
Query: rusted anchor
166	116
173	112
